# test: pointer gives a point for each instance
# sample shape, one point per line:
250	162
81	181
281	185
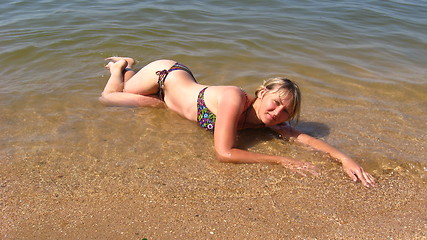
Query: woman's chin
268	123
272	123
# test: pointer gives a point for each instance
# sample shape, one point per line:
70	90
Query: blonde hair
287	86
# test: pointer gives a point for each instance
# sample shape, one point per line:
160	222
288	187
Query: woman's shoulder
230	95
227	91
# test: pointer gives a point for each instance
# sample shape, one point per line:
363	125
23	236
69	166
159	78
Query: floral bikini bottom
164	73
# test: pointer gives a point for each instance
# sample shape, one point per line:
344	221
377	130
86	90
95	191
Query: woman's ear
262	92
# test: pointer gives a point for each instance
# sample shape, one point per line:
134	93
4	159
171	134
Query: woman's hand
299	167
355	171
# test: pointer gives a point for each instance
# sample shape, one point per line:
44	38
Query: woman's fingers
312	169
369	179
303	167
362	178
351	174
300	172
366	179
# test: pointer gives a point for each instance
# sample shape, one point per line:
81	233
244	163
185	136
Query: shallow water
361	66
362	69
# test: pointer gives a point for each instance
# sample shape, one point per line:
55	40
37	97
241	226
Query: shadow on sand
249	137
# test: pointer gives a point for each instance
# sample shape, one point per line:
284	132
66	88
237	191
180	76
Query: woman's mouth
271	117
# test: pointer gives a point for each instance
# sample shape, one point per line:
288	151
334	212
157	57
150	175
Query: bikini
164	73
205	117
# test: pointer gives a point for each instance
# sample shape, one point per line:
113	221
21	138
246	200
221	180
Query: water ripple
372	53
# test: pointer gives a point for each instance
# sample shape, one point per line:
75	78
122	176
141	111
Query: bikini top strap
246	96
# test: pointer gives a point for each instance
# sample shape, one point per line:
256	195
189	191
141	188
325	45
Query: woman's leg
128	72
113	94
116	81
145	81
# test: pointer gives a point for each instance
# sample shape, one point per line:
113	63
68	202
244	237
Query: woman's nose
277	111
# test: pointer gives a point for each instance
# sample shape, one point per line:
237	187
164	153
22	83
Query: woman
222	109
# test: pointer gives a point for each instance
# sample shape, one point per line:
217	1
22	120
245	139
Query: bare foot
130	61
117	66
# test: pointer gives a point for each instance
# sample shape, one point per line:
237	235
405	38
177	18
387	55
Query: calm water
361	65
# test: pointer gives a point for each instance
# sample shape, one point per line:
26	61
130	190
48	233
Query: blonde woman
221	109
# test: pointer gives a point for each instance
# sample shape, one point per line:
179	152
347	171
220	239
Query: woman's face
275	107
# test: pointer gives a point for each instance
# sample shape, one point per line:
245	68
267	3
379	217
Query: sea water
361	66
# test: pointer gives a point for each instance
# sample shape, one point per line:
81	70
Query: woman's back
181	93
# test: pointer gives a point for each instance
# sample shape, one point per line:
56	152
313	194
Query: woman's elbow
104	99
223	156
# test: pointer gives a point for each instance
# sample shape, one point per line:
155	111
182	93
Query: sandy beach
69	195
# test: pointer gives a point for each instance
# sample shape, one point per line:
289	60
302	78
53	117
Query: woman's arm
229	110
351	167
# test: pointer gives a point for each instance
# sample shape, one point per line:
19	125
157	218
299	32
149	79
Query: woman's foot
130	61
118	66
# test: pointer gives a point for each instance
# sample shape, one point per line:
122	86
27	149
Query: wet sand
71	193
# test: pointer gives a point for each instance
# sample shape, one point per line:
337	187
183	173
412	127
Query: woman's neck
251	119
